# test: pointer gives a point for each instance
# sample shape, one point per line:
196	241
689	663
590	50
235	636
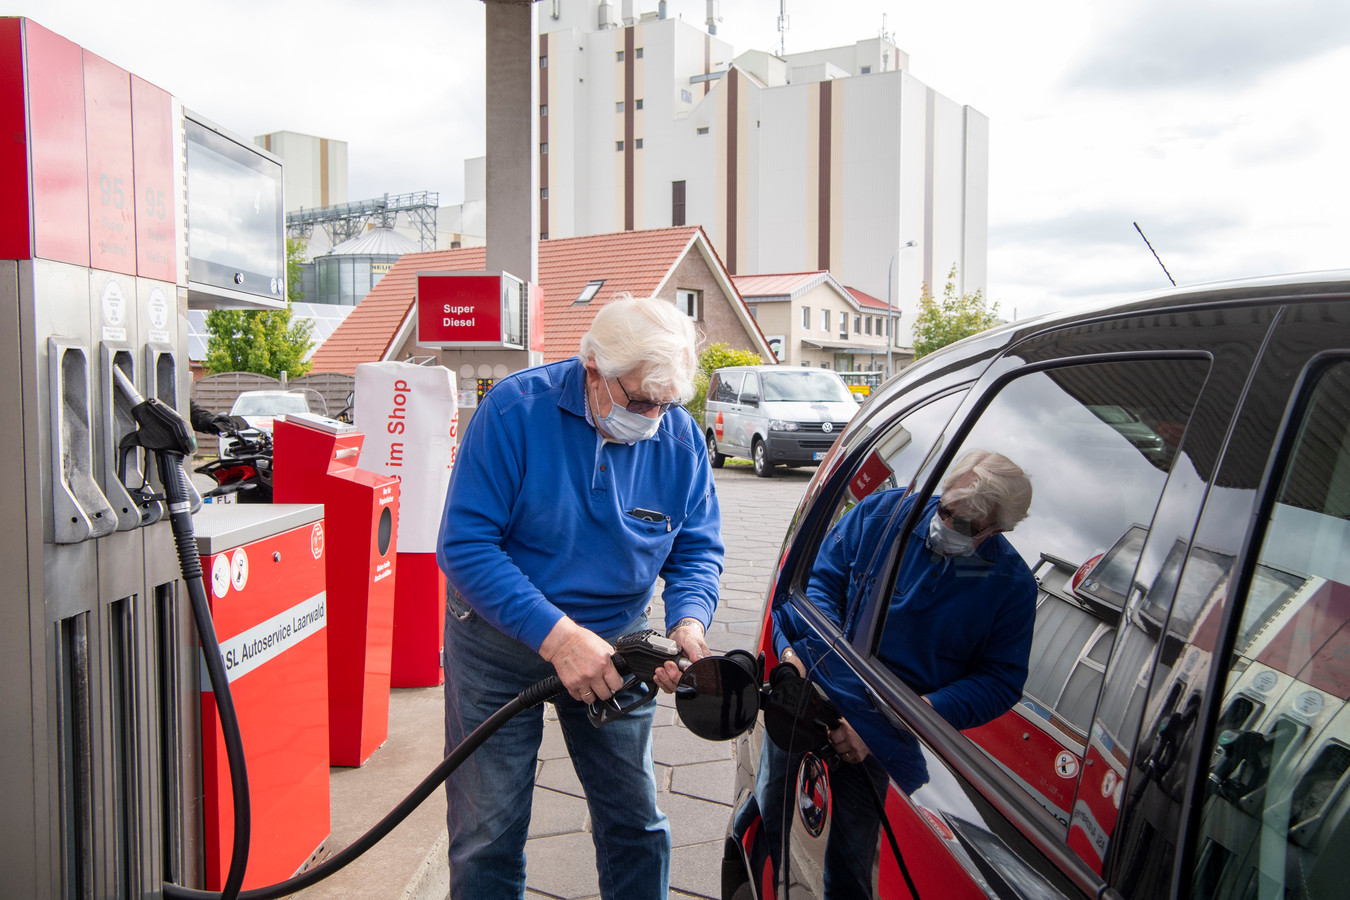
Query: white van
775	414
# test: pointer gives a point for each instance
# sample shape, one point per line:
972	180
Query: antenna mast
1155	254
782	27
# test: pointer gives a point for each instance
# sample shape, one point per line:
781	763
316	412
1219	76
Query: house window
869	324
543	148
703	130
543	193
677	203
618	56
543	62
637	143
857	325
806	317
865	70
688	302
637	104
825	319
618	107
588	293
843	325
618	146
543	109
686	96
637	53
754	312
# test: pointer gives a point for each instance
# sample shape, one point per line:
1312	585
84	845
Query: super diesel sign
458	309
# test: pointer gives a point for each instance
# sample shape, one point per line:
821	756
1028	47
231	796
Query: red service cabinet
264	573
314	461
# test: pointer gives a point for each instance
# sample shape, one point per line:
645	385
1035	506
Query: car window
1273	814
728	386
805	387
270	405
894	457
750	388
1014	650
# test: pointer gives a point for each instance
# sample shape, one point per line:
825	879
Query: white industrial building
835	159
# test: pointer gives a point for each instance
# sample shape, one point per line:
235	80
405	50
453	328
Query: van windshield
805	387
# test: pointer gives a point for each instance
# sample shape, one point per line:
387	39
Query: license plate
818	455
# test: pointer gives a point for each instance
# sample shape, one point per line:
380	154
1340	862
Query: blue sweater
958	630
538	521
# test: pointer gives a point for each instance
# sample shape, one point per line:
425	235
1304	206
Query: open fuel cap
718	696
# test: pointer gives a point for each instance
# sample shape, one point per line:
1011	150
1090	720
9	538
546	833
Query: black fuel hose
532	696
176	494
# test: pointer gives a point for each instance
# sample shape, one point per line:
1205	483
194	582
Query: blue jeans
488	797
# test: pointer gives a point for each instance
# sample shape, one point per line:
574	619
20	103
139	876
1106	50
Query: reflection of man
958	630
578	484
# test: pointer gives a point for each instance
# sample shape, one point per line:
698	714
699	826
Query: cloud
1209	44
1112	227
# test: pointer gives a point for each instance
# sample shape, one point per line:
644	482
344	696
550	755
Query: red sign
455	309
152	129
56	146
13	145
112	194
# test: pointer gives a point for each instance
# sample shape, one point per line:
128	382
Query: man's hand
582	660
847	744
688	635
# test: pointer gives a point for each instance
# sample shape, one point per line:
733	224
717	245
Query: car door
992	803
1240	786
728	388
749	415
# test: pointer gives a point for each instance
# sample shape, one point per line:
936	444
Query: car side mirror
750	399
718	697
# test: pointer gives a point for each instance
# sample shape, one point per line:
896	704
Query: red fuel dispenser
314	461
264	573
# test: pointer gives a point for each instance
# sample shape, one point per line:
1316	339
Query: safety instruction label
254	646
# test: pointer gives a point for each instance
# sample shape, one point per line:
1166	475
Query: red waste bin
314	461
264	572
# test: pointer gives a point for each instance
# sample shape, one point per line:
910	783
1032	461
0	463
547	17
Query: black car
1183	728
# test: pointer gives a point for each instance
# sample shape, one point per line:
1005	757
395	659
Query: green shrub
716	356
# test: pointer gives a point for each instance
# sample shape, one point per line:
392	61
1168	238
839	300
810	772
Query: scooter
243	473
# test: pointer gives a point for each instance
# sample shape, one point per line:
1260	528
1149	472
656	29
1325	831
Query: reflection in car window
270	405
728	386
1273	820
1097	441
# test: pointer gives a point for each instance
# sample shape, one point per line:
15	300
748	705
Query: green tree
716	356
266	341
295	260
946	321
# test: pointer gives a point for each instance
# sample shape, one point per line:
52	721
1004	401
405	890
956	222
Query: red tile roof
866	300
636	262
783	284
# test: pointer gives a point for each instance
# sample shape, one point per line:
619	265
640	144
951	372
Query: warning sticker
1066	765
239	569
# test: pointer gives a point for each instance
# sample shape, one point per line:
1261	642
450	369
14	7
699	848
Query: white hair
649	334
984	485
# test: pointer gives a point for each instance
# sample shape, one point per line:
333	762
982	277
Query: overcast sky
1220	126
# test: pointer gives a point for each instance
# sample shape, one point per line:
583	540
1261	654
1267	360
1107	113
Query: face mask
626	426
947	542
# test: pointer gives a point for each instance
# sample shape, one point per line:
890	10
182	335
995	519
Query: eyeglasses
963	526
642	407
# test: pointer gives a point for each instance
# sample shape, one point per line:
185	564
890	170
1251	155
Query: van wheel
760	454
714	458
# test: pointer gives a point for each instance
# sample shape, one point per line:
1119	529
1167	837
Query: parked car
1183	730
259	408
773	415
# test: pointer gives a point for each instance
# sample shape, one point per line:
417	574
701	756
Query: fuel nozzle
637	656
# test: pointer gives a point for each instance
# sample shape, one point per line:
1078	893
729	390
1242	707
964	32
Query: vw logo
827	427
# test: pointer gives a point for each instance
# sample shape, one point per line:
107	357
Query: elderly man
958	632
577	485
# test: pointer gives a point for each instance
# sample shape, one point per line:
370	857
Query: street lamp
890	308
